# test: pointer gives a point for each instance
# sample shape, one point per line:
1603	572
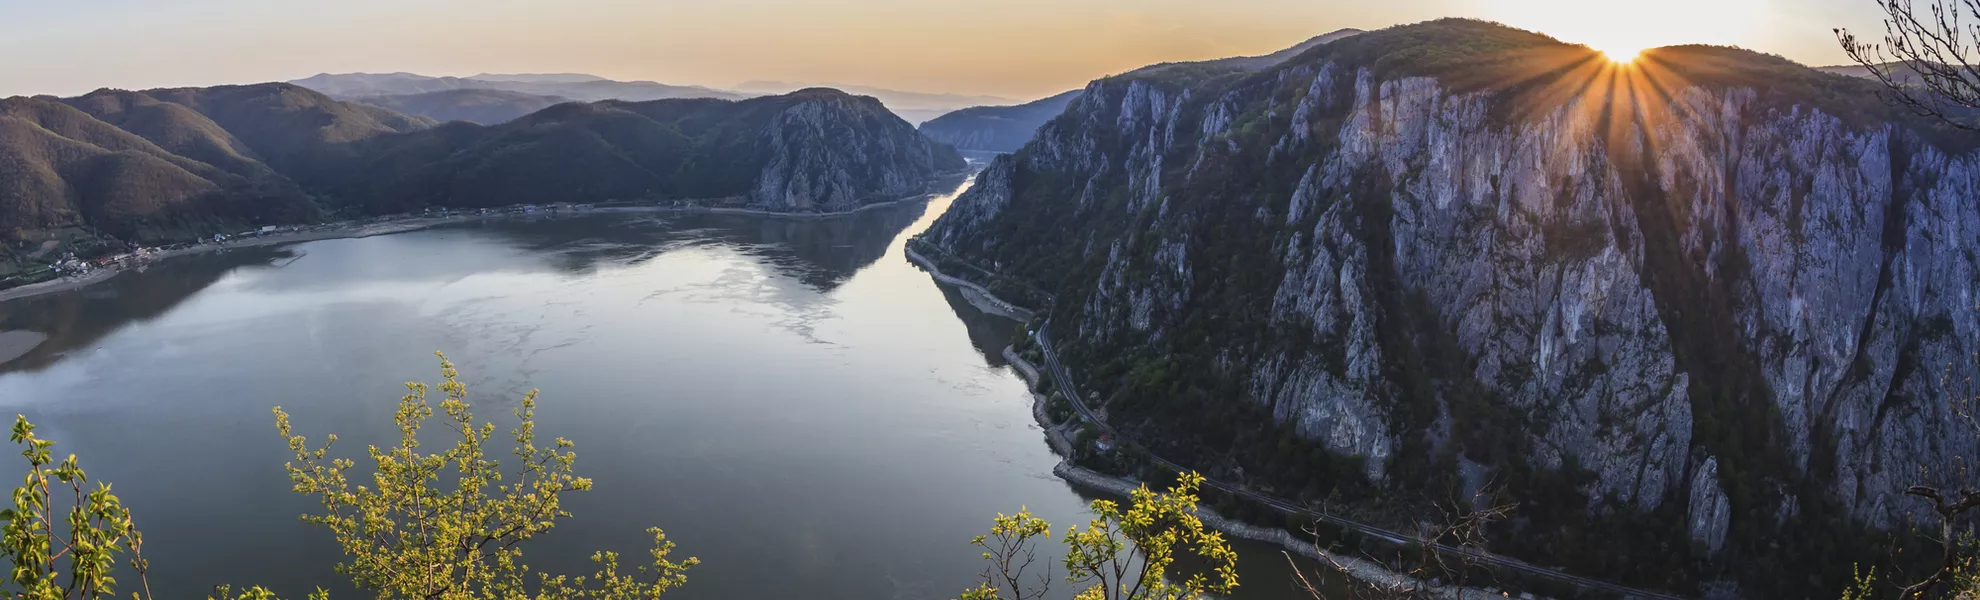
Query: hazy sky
1012	48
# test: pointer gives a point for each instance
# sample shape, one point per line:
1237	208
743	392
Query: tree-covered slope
486	107
171	164
810	151
1691	313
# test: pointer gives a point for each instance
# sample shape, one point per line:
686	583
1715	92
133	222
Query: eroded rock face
1709	510
1303	233
835	152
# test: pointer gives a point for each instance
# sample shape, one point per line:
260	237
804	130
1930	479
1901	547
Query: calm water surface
793	401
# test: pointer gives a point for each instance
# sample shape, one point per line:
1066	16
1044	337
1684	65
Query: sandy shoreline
16	343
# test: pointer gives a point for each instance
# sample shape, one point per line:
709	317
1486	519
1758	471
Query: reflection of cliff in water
989	333
821	252
824	252
78	318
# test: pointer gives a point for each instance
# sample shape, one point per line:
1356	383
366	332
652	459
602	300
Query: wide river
792	400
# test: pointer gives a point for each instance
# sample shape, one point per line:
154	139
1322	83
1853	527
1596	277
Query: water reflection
78	318
791	399
821	253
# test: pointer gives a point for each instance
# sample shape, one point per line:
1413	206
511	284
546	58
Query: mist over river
790	399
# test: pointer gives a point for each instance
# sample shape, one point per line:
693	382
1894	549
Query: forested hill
486	107
170	164
816	150
1691	313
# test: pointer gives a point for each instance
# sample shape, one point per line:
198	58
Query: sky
1019	49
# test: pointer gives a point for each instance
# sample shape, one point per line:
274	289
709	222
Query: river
791	400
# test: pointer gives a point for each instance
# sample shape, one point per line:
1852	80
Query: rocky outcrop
1709	510
1648	295
830	151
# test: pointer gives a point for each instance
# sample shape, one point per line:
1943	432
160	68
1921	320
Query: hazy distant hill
996	128
538	77
1900	72
916	107
487	107
1007	128
586	88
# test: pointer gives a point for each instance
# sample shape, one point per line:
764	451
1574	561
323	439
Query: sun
1621	54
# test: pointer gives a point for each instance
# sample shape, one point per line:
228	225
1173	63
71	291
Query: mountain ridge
1006	128
175	163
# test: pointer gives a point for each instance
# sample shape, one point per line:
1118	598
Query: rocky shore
1060	436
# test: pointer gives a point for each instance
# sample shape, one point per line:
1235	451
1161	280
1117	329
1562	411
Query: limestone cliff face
830	151
1728	273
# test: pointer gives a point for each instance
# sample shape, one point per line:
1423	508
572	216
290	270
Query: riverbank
1061	436
17	343
408	224
977	295
331	232
751	212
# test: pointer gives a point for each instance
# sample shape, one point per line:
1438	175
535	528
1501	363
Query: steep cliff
1688	311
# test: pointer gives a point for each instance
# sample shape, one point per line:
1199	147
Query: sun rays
1620	54
1620	100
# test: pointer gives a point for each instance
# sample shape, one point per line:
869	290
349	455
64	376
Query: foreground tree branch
1924	60
407	538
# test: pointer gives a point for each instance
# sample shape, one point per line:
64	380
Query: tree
1121	555
1453	544
74	562
1923	61
1956	571
406	538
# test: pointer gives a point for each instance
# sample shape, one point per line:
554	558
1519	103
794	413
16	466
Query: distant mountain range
174	163
1899	72
916	107
996	128
483	106
509	96
583	88
1007	128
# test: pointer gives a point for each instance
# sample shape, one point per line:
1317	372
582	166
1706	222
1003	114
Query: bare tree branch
1925	61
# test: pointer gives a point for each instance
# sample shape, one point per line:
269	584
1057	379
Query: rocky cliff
832	151
1712	293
